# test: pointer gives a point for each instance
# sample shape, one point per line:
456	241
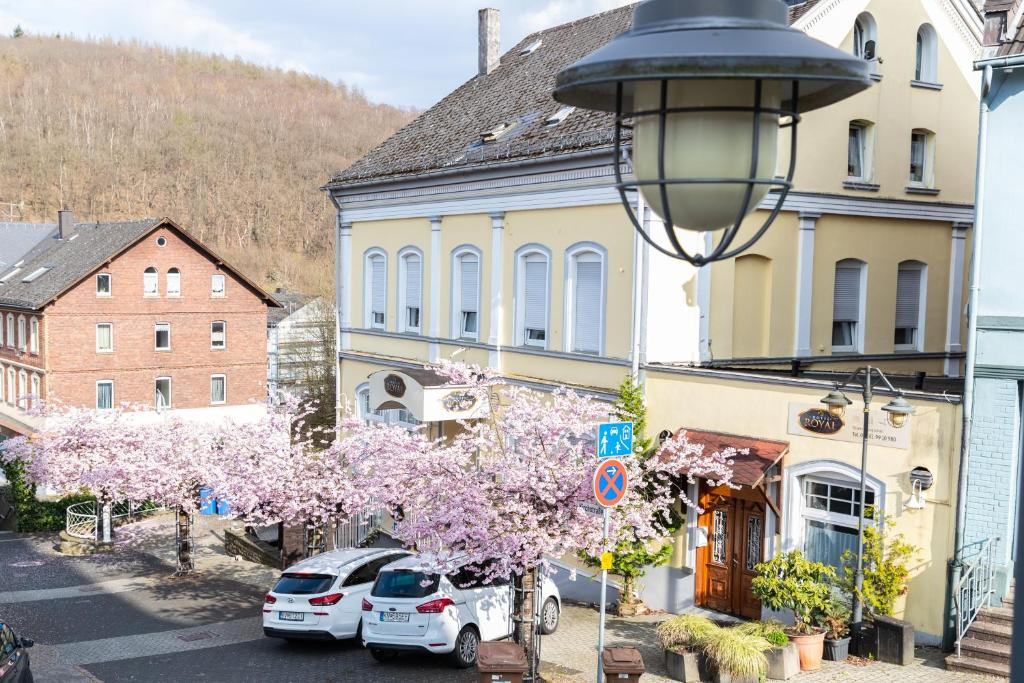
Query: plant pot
723	677
864	641
810	648
685	666
895	640
837	650
783	662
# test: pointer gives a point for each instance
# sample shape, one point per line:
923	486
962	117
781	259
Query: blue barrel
223	506
207	503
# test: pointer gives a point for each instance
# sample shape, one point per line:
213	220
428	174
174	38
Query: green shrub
685	632
835	618
790	581
37	515
737	653
772	631
885	568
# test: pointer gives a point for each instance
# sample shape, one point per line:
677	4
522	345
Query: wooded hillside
234	152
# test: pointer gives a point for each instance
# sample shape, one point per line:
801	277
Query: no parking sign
610	482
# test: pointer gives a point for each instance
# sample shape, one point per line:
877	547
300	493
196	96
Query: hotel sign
807	419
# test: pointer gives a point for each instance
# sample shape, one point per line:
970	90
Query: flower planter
864	642
723	677
810	647
689	667
837	650
783	662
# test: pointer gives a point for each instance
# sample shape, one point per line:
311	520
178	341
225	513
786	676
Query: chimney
490	40
65	223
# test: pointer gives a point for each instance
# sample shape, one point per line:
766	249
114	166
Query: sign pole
604	592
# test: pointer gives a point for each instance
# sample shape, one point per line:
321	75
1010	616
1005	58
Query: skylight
496	132
531	48
9	275
36	273
559	116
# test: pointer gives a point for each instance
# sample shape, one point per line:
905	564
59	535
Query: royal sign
812	420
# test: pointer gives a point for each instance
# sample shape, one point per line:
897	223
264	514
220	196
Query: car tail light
326	600
270	599
367	607
435	606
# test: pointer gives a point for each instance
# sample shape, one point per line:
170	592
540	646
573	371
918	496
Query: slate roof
290	302
748	468
17	239
447	135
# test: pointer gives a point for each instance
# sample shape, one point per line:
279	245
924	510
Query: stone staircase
986	647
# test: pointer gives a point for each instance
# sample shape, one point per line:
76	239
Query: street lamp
704	87
897	411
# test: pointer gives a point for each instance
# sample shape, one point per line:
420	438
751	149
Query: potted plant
683	637
736	655
783	657
791	581
835	619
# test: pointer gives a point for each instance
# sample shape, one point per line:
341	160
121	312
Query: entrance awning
425	394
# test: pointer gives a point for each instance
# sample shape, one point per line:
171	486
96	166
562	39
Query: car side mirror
26	642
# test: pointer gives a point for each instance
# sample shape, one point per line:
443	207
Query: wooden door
734	522
748	552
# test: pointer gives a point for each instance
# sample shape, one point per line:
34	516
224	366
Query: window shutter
587	307
908	297
846	304
469	279
378	284
413	281
535	294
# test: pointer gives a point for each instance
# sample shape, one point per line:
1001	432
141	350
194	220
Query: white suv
412	609
320	597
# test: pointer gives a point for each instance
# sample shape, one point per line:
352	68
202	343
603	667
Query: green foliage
886	573
772	631
685	632
17	32
36	515
790	581
737	653
835	618
630	407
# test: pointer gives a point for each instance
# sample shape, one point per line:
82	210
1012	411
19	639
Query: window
831	510
10	330
105	394
173	282
22	333
33	335
218	389
22	389
35	390
12	386
376	289
103	284
3	384
466	293
217	285
161	241
162	398
858	155
218	334
397	416
162	333
848	306
926	55
865	37
410	290
104	337
585	299
532	297
910	284
149	282
922	149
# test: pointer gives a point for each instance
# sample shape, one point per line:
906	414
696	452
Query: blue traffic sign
610	481
614	438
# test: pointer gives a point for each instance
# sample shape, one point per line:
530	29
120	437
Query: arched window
12	386
173	282
585	298
410	290
35	391
865	37
23	390
926	55
397	416
465	317
22	333
149	282
532	295
911	279
10	330
859	161
375	289
848	306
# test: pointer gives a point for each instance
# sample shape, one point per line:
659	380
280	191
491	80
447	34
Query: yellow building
489	228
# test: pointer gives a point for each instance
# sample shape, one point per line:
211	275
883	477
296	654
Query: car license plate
394	616
292	616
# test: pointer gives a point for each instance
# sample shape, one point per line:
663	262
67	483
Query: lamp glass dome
836	403
897	411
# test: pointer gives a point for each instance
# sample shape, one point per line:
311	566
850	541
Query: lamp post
700	90
897	411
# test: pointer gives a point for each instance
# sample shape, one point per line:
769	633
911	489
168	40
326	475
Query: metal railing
976	586
81	520
357	529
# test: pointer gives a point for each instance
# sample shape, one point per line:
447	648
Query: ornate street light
898	409
705	86
836	402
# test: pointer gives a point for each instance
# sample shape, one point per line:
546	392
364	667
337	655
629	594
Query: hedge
36	515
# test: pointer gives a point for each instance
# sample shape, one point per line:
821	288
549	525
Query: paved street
123	617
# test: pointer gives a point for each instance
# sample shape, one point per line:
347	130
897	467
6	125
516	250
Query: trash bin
501	663
223	506
622	664
207	503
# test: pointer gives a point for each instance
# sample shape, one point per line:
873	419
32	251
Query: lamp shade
836	402
898	410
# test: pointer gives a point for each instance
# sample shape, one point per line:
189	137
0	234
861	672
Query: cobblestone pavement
122	617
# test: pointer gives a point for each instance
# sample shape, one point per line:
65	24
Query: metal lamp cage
757	111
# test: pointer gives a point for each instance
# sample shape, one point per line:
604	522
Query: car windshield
404	583
303	584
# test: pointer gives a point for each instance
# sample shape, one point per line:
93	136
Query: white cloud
556	12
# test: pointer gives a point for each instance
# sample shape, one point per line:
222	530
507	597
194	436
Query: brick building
135	312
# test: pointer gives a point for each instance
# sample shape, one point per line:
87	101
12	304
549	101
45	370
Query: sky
403	52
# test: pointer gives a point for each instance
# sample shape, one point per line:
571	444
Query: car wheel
549	616
382	655
466	645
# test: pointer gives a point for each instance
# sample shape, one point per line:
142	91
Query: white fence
81	519
355	531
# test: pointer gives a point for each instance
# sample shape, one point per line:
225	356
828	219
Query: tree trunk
185	541
525	624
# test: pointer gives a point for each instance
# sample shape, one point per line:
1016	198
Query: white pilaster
344	283
955	314
804	282
497	313
434	349
704	303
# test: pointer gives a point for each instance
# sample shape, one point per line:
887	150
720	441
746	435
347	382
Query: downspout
639	292
337	316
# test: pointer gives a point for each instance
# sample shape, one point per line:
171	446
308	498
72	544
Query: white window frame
174	271
457	328
224	379
156	328
33	335
111	349
35	387
223	285
111	383
151	271
922	294
927	162
10	331
224	342
858	336
22	389
368	322
522	254
110	284
22	333
572	255
866	141
400	295
865	29
12	386
170	392
926	55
